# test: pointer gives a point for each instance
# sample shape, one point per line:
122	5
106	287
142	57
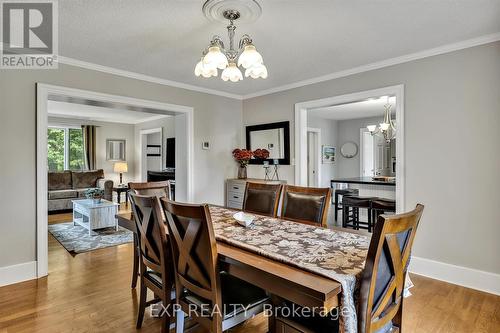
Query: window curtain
89	147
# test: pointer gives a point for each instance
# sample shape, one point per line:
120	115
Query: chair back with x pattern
152	234
383	279
194	251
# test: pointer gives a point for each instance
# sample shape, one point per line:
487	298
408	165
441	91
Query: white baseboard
463	276
17	273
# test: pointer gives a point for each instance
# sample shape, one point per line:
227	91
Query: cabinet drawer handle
235	197
236	187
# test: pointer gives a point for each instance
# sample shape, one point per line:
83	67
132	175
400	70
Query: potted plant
95	193
242	156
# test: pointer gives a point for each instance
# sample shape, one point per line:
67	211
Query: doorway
302	111
313	157
45	92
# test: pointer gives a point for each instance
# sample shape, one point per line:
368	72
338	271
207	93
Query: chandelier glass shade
387	128
216	56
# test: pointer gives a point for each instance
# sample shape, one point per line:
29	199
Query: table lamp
120	167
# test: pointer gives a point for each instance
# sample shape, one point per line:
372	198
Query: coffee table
93	216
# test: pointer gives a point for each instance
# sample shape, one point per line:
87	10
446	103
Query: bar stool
381	206
355	203
342	192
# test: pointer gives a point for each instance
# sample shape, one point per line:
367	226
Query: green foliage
55	149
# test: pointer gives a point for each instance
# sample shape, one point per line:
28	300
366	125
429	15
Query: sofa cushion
81	192
59	180
86	179
62	194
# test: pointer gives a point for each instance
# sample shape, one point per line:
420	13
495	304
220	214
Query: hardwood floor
91	293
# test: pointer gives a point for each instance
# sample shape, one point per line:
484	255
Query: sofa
70	185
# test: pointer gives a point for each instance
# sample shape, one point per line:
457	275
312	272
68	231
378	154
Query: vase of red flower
261	154
242	156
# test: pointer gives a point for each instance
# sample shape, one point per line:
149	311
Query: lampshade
120	167
256	71
232	73
215	58
384	126
372	128
250	57
205	71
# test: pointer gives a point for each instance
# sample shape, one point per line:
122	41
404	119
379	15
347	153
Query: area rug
76	239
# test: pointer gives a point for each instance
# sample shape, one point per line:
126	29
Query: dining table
306	264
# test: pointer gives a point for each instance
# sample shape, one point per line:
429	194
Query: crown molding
356	70
384	63
143	77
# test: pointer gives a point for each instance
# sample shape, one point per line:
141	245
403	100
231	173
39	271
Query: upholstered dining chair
156	267
158	189
262	199
306	204
214	299
380	304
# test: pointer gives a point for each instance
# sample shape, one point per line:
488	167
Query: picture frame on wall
328	154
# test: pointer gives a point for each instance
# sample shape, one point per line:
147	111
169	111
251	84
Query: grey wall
329	130
348	130
216	118
452	117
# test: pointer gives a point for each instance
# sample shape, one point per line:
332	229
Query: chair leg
369	220
142	305
179	321
336	205
345	214
135	269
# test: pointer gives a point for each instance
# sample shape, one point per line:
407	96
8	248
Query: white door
367	154
312	159
382	156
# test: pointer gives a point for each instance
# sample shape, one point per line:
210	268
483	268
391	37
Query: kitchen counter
363	180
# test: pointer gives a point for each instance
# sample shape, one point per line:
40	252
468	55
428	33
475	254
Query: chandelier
386	129
216	56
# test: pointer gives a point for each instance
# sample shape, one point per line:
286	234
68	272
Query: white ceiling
299	40
357	110
98	113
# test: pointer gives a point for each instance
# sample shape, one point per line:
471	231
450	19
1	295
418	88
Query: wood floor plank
90	292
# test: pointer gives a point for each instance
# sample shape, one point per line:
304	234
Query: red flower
242	156
261	154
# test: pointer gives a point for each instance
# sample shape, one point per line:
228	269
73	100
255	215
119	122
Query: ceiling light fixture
387	128
216	56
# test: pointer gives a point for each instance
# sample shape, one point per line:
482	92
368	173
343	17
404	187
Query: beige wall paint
452	117
216	118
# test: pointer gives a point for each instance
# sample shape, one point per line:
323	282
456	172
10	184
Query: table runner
334	254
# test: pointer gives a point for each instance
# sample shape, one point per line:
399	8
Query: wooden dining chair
156	267
203	292
383	279
158	189
380	303
306	204
262	199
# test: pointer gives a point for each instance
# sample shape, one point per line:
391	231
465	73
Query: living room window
65	148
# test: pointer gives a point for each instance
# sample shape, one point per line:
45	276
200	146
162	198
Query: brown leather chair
306	204
158	189
262	199
156	265
203	292
380	306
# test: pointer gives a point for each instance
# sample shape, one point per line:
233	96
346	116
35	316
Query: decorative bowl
244	219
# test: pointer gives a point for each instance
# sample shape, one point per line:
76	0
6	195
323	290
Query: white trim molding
381	64
43	91
301	133
17	273
144	77
462	276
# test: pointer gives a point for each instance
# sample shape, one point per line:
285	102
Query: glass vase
242	172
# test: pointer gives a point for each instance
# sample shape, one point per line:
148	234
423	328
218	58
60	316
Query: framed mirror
115	150
275	137
349	149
